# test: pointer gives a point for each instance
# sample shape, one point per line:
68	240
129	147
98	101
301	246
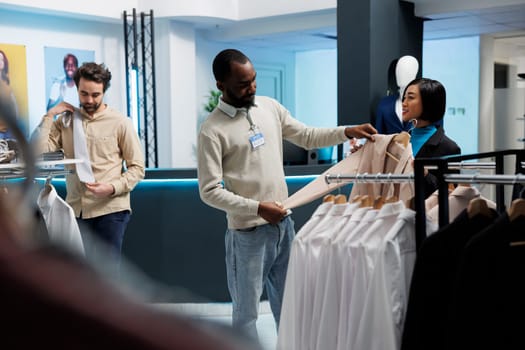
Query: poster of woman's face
61	65
13	84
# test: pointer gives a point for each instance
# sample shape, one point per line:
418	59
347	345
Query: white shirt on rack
292	311
60	220
326	302
319	260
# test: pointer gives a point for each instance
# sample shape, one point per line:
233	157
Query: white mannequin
406	71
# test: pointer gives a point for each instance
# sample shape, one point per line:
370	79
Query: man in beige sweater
240	170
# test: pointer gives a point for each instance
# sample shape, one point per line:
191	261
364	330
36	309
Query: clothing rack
444	177
396	178
469	165
443	167
46	169
366	177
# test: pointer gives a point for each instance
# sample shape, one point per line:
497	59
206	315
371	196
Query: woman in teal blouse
424	102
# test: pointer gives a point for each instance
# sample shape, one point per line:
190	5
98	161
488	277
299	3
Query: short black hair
222	62
93	72
67	57
433	98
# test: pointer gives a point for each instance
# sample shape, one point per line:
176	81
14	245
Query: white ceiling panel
449	19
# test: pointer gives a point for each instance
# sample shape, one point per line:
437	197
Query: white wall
37	31
316	87
486	95
455	63
183	71
176	86
206	51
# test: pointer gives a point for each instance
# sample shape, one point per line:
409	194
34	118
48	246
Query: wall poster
13	84
61	65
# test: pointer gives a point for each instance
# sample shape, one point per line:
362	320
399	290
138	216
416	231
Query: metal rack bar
365	177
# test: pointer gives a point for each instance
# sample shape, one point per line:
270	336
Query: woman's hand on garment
273	212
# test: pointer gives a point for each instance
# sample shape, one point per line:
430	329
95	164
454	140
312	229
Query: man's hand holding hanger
359	134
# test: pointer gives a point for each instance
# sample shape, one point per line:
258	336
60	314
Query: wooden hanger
410	203
392	156
328	198
366	201
355	199
478	206
392	199
517	209
402	138
340	199
378	202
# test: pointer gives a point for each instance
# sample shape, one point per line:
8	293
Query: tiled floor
221	312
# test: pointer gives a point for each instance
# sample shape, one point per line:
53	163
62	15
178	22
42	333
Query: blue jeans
255	257
102	237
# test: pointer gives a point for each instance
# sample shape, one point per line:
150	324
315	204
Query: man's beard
91	108
243	102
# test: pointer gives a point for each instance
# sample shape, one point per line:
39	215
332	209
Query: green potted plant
213	101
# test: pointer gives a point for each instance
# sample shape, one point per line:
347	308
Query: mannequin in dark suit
424	102
388	112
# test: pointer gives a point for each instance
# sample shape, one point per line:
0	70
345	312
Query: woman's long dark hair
4	74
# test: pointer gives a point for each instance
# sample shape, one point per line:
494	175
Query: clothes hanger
328	198
517	209
392	156
340	199
410	203
47	184
365	201
392	199
355	199
378	202
402	138
478	206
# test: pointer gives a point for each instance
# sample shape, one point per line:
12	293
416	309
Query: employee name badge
256	138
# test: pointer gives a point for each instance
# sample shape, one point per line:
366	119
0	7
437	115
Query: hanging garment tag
257	140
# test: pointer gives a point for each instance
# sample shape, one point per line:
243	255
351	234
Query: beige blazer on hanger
371	156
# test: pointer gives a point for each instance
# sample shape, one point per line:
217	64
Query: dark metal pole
126	55
154	89
500	192
144	87
135	54
419	202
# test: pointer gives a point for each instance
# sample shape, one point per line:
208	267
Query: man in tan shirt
102	206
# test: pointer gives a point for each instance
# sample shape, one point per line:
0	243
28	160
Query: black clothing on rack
486	307
431	289
488	311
